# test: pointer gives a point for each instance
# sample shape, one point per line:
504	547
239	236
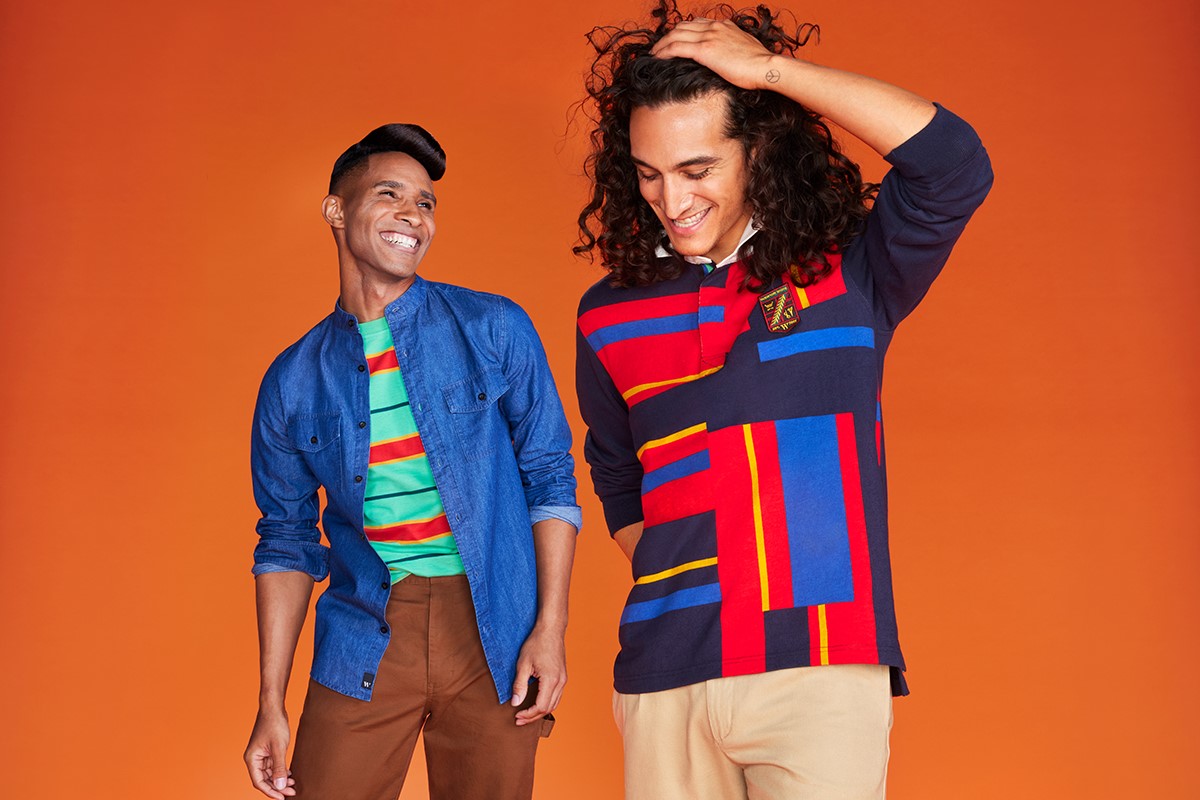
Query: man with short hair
428	414
729	371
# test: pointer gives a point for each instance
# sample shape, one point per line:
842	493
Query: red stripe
678	498
398	448
383	361
616	313
716	338
631	363
774	516
743	633
814	636
410	531
853	621
829	287
655	457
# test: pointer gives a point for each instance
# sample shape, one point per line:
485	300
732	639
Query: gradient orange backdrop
162	168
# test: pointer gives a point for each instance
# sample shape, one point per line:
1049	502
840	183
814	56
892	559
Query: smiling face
692	174
383	221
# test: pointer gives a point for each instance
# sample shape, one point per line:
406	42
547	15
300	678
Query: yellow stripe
396	460
803	295
685	379
674	437
410	542
666	573
759	542
824	634
395	439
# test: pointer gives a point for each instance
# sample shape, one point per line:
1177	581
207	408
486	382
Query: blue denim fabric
499	446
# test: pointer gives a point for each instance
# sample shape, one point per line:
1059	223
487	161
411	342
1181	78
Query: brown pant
433	675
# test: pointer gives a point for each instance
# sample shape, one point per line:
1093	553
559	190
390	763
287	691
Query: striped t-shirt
402	513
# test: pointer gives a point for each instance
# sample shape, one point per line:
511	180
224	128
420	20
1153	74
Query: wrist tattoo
773	76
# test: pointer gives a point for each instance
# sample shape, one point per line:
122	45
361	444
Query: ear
333	212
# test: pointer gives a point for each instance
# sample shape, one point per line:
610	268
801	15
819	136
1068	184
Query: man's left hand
543	656
723	47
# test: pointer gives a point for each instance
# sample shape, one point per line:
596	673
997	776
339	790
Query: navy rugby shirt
745	430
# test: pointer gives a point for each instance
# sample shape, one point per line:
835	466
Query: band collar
401	308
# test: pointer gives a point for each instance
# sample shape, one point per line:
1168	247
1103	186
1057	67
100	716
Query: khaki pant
809	733
433	675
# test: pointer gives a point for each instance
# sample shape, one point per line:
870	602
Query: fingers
550	691
262	768
521	684
691	32
281	779
266	761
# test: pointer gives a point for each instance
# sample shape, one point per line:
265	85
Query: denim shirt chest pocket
318	438
474	406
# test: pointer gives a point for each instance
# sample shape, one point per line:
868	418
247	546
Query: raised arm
881	115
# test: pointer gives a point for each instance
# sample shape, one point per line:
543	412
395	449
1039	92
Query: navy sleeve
938	178
608	448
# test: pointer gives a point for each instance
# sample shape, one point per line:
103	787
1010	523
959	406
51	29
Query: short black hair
395	137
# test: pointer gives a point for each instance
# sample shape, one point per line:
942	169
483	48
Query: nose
407	211
676	197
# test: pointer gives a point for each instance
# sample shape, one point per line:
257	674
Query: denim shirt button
384	585
358	478
361	368
362	425
383	629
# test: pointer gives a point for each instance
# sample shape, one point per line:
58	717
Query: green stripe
400	494
422	555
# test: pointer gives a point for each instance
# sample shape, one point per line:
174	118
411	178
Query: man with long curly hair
730	371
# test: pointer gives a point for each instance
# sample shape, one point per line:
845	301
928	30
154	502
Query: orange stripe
411	532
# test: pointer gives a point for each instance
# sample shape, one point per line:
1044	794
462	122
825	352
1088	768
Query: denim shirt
497	441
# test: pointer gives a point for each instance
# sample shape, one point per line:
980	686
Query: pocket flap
476	393
313	432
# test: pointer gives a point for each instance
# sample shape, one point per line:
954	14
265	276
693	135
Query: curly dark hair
807	197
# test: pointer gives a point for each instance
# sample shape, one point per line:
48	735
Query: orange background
162	167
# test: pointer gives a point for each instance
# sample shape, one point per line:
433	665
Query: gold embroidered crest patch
779	309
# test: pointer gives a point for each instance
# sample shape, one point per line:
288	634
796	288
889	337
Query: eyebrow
697	161
398	185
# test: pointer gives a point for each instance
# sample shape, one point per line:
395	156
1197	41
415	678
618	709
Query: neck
367	299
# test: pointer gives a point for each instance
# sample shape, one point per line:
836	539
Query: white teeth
400	239
688	222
